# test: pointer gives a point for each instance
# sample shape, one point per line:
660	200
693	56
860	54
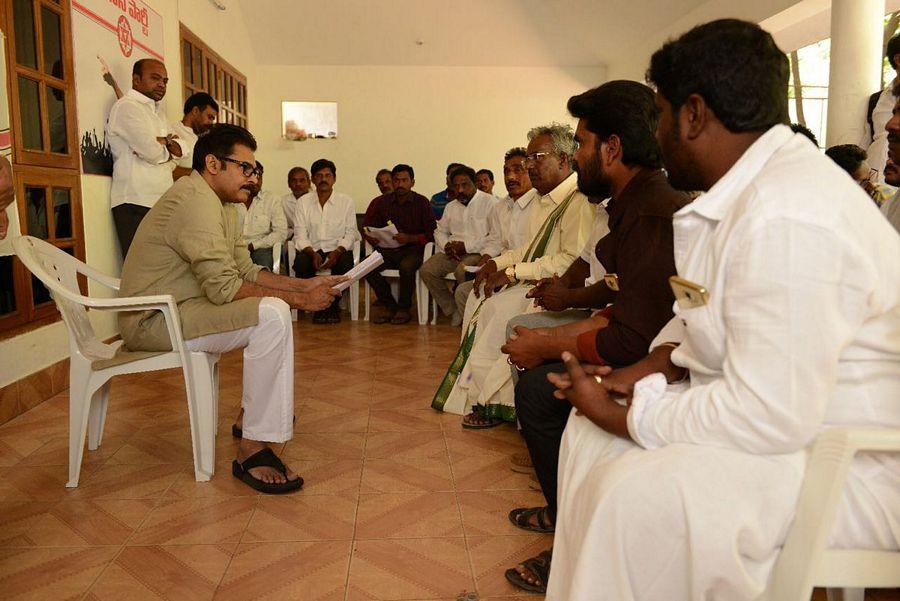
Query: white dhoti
268	397
688	522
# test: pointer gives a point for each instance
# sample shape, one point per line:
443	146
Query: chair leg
368	291
97	417
79	410
845	594
354	301
422	298
200	398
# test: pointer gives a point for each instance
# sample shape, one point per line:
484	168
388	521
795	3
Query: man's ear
613	150
694	116
212	164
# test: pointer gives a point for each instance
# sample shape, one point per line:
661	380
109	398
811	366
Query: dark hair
138	67
220	141
490	173
518	151
401	167
322	164
382	171
893	48
624	109
848	156
463	170
200	100
453	166
799	128
260	166
295	170
734	65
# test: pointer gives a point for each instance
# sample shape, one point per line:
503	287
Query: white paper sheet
384	235
361	270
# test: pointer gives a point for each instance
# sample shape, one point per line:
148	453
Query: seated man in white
787	324
508	223
461	233
298	182
324	232
189	246
264	223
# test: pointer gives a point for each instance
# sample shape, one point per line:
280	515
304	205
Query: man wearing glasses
190	246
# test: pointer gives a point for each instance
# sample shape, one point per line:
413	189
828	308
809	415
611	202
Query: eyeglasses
248	169
534	157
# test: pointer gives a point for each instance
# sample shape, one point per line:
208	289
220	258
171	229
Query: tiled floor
399	502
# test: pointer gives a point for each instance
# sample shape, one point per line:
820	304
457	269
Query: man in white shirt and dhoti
200	113
787	324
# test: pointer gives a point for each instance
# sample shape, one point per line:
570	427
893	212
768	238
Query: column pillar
857	30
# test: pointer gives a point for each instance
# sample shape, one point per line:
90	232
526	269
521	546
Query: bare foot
269	475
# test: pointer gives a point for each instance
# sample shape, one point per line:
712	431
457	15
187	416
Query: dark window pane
186	60
197	67
29	105
36	212
52	41
62	212
26	47
7	286
56	110
39	292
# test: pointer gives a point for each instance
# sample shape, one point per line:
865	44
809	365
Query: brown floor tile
302	517
487	512
196	521
38	483
329	477
34	390
14	448
406	515
24	573
404	420
425	568
70	523
493	555
486	472
301	571
145	448
321	416
176	573
9	402
325	445
56	452
405	444
503	440
406	474
127	482
222	484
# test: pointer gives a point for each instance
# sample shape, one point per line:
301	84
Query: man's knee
409	264
534	394
273	309
431	267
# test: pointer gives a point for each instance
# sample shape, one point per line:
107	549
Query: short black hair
453	166
892	50
260	166
799	128
518	151
381	172
323	164
220	141
295	170
625	109
138	67
463	170
490	173
399	168
848	156
734	65
200	100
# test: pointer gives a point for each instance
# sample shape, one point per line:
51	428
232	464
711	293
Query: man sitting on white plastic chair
786	324
190	246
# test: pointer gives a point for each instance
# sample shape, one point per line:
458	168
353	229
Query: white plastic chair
354	287
420	288
805	561
276	258
93	363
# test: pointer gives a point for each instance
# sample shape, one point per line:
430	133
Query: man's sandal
238	432
521	518
477	421
539	566
264	458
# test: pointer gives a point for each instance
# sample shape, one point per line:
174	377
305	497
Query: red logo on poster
126	41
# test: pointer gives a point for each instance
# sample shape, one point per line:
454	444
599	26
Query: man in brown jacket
190	246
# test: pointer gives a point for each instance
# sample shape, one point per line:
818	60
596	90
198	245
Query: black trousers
127	218
406	259
542	418
303	268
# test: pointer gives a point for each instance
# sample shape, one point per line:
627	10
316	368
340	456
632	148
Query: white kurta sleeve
301	227
442	233
479	229
493	244
792	301
132	125
351	233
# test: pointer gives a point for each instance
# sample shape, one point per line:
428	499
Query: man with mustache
264	223
200	113
143	146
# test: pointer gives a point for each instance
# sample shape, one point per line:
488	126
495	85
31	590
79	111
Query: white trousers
268	397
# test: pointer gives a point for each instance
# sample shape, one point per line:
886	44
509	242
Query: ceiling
534	33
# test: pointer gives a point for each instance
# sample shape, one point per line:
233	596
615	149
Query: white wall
423	116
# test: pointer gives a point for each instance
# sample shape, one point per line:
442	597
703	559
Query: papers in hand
361	270
472	268
384	235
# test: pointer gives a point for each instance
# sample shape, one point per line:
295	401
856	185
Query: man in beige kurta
190	246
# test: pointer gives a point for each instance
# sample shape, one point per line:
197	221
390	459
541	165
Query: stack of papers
384	235
361	270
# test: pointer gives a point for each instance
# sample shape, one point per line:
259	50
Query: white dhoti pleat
268	397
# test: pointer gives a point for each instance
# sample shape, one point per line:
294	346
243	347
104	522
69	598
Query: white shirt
325	227
264	224
802	327
589	254
289	203
465	223
508	223
878	149
891	210
187	139
142	167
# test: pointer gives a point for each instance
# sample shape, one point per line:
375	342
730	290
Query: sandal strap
264	458
523	517
539	566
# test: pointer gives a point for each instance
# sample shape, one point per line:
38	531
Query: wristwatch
511	273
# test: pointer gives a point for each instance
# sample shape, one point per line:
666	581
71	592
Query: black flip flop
539	566
521	518
264	458
239	432
490	423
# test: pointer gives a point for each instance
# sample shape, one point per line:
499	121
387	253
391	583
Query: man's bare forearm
273	281
658	361
251	290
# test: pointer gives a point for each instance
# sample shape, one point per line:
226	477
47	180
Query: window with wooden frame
41	89
205	71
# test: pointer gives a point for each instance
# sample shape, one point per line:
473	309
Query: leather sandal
264	458
521	518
